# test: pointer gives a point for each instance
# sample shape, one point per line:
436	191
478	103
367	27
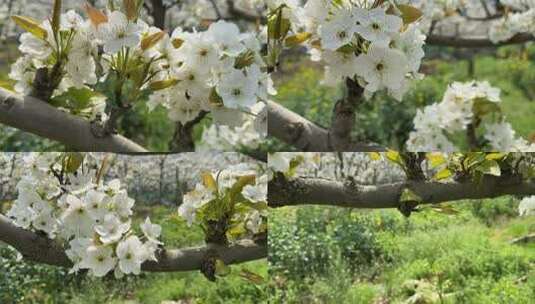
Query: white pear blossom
130	254
76	218
119	32
226	37
98	259
123	204
382	67
112	229
194	200
77	252
151	231
237	90
454	113
379	27
338	31
90	220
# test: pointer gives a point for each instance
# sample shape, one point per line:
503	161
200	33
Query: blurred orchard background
157	183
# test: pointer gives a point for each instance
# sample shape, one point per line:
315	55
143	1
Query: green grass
461	258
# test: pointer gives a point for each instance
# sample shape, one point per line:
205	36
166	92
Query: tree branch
344	116
299	132
530	238
301	191
40	249
38	117
474	42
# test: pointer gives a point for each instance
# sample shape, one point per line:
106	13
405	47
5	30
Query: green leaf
251	276
73	161
409	196
209	181
489	167
256	206
483	107
436	159
297	39
495	156
221	269
237	230
374	155
56	16
394	157
278	27
443	174
409	13
472	159
31	26
239	184
8	85
294	164
347	49
163	84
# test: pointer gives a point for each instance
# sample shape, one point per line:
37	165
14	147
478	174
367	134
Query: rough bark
304	135
35	116
37	248
302	191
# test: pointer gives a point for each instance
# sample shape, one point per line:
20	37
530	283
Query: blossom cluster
358	39
464	104
42	48
215	197
92	218
219	70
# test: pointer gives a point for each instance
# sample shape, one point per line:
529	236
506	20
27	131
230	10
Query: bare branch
38	117
40	249
301	191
